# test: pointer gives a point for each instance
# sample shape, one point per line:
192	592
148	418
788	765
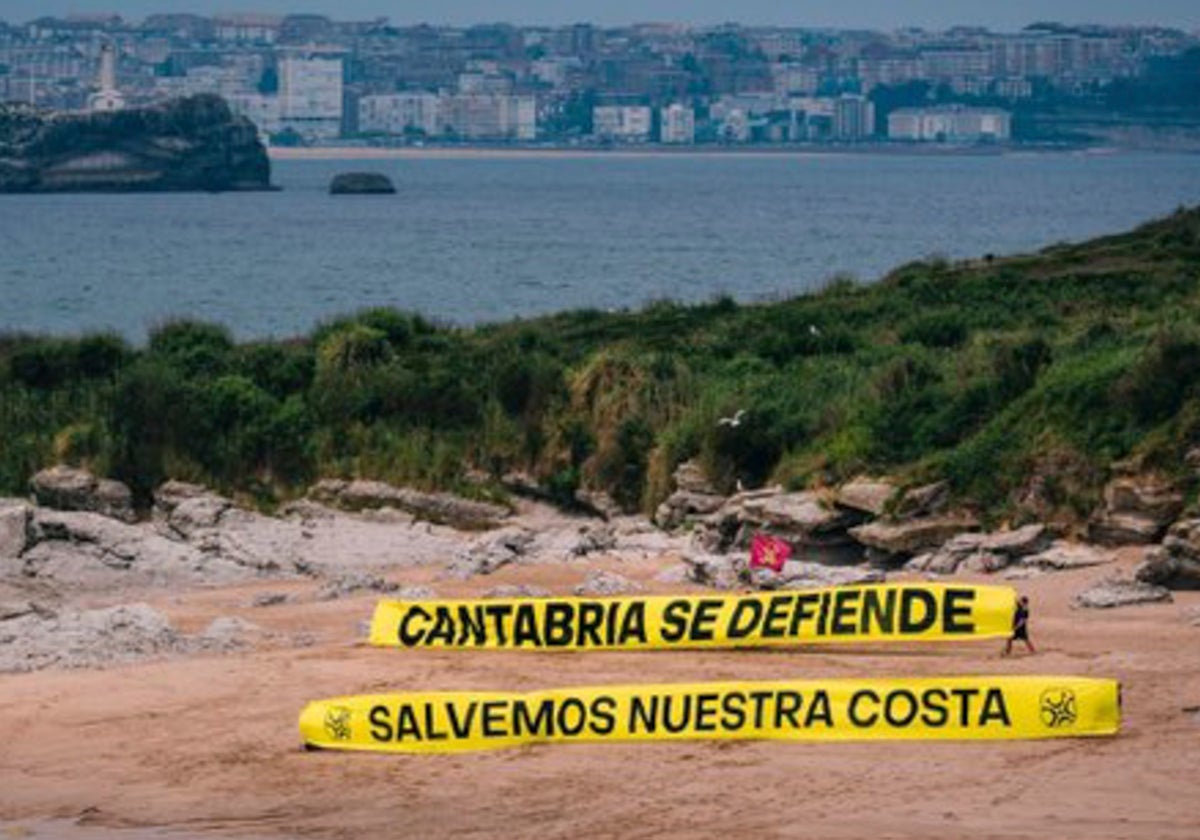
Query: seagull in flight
734	421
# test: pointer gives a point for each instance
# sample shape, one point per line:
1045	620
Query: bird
813	330
734	421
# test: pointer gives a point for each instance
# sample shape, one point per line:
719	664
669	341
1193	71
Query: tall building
310	95
489	117
678	125
400	113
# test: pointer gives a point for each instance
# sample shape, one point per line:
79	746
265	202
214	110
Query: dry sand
207	745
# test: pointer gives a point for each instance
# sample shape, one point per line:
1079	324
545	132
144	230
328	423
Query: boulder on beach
69	488
361	183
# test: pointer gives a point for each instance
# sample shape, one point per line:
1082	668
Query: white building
950	123
310	95
678	125
622	122
400	113
489	117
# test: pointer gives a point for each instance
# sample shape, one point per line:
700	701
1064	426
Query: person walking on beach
1020	626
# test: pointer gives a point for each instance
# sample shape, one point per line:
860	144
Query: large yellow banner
884	613
811	710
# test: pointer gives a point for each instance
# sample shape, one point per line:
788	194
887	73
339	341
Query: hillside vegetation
990	373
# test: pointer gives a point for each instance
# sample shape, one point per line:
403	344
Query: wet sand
207	745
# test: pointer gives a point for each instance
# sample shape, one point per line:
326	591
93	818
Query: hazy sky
881	14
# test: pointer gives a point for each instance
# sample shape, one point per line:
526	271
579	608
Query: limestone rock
926	500
517	591
1176	564
14	524
804	575
1120	593
87	550
866	495
361	183
194	143
912	536
694	496
442	508
69	488
981	553
488	554
801	513
171	494
87	638
594	540
1065	555
721	571
1137	510
602	583
352	583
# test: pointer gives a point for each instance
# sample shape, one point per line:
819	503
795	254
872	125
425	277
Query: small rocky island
192	144
361	183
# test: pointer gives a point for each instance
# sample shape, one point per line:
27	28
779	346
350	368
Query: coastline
495	152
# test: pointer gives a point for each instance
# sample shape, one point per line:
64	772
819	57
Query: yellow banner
951	708
885	613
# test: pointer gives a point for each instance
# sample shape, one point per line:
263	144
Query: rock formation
1175	564
361	183
192	144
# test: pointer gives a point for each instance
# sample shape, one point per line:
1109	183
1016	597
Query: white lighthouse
107	97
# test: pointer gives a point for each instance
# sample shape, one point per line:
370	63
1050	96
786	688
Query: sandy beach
206	745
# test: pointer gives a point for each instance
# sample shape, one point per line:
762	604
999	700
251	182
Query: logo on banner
1058	707
337	723
768	553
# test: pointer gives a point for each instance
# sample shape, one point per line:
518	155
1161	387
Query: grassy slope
986	373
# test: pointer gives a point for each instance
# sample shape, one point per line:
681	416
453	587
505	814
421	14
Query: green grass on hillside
986	373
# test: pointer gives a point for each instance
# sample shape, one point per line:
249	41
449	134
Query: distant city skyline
870	14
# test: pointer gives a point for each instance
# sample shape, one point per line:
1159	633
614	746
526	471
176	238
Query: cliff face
185	145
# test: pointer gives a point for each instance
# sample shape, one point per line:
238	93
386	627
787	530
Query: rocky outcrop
192	144
797	574
1120	593
490	553
899	540
926	500
14	528
602	583
1137	511
720	571
442	508
1176	563
694	497
866	495
982	552
68	488
1062	556
361	183
95	638
78	550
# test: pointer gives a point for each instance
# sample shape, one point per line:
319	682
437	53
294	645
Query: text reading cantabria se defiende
894	612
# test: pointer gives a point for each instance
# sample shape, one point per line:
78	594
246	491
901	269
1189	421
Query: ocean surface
482	239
